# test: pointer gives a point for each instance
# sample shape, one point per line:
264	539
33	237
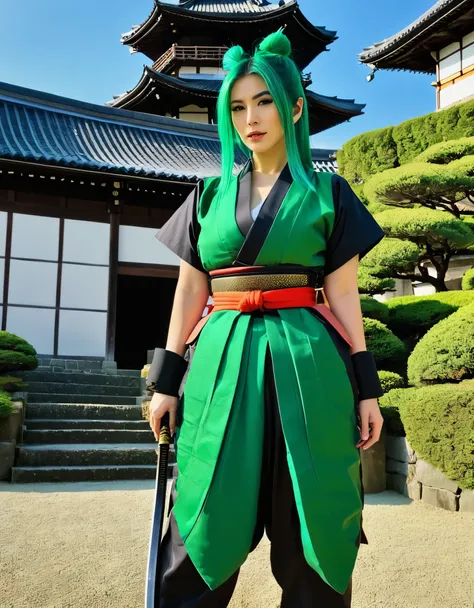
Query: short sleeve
180	233
355	230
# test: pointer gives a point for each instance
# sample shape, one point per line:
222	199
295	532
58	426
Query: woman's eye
266	100
236	108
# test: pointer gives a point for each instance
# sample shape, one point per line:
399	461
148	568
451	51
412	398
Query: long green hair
270	60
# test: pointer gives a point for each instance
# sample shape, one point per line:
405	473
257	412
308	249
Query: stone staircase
84	425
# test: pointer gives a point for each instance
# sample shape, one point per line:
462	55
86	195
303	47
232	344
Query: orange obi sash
249	301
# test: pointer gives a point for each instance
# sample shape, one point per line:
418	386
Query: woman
267	429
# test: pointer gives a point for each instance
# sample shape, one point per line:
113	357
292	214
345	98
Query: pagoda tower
185	43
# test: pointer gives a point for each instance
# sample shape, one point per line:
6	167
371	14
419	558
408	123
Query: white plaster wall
32	283
84	286
468	56
86	242
468	39
82	333
34	236
2	277
450	65
36	325
457	91
448	50
194	117
218	72
3	232
423	289
139	245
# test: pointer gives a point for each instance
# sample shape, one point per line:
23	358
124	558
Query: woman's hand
159	405
371	422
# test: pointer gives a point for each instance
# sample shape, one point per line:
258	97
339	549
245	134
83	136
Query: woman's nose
251	116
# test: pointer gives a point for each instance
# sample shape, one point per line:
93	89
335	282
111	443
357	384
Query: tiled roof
48	129
429	19
228	6
40	127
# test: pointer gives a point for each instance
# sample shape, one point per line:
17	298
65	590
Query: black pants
181	586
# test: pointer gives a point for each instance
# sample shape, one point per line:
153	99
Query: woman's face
254	111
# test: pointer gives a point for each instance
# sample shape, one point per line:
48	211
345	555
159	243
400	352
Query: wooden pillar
114	209
8	251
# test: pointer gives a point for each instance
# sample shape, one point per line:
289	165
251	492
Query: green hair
270	60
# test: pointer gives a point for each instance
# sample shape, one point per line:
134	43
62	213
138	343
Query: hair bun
233	57
276	43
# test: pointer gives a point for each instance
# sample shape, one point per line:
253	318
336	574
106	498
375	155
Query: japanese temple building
185	44
85	187
440	42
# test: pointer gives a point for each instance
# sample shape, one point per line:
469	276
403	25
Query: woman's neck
272	161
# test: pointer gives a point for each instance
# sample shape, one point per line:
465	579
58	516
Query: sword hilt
165	434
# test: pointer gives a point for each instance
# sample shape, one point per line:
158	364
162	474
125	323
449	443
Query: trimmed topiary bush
390	409
11	384
438	421
390	380
389	351
16	353
446	352
413	316
444	152
6	407
468	279
373	309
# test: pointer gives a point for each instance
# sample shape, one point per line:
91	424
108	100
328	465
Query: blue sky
73	49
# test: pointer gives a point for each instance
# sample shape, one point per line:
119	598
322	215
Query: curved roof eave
431	17
150	80
133	37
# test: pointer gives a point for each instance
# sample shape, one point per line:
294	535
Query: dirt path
85	545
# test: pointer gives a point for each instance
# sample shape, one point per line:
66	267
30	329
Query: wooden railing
186	53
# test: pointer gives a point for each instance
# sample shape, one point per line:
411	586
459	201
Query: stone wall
412	476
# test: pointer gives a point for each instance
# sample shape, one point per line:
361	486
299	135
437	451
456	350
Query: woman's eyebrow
254	97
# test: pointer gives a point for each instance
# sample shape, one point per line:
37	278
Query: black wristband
365	371
166	372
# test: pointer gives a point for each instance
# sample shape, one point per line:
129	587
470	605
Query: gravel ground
85	545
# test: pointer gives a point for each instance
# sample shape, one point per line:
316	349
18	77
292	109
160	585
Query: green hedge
376	151
438	425
413	316
468	279
16	353
373	309
446	352
446	151
390	380
370	284
367	154
390	409
417	182
11	384
389	351
6	407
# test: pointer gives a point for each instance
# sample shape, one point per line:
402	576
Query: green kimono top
220	434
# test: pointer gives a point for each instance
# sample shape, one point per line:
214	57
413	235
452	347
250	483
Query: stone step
89	399
82	378
88	454
78	473
73	389
48	436
84	423
83	410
